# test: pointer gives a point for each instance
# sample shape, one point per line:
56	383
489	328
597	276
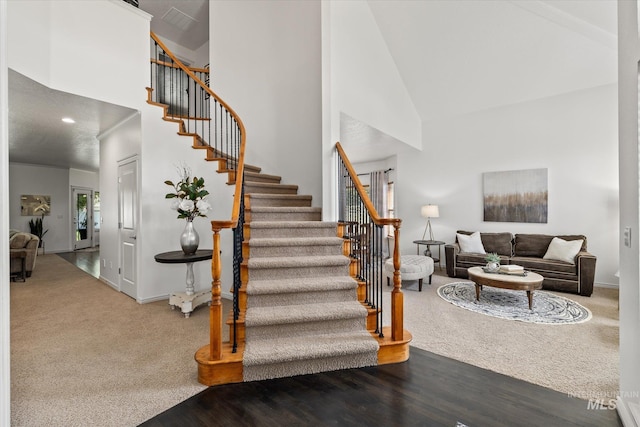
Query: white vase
189	239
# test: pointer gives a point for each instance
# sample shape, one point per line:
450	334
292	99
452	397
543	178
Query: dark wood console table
188	300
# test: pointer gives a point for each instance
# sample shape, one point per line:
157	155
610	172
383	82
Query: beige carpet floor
580	359
83	354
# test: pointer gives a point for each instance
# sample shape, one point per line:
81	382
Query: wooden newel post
215	311
397	298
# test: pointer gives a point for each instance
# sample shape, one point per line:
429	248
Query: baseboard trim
625	413
153	299
606	285
109	283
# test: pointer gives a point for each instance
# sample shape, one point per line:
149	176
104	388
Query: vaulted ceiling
185	22
460	56
454	57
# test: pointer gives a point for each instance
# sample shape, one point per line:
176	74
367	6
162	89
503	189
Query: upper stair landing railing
188	100
215	126
365	232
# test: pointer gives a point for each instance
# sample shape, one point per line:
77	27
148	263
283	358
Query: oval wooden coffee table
529	283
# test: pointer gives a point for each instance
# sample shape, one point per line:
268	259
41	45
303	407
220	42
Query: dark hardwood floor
86	260
427	390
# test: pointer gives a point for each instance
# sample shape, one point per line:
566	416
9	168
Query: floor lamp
429	211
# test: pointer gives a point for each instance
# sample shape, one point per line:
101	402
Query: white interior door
127	225
82	218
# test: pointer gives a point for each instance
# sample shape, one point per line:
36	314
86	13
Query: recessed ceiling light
68	120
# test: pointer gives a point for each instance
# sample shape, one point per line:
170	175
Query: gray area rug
547	308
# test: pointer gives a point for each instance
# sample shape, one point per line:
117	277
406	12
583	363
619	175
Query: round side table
428	244
188	300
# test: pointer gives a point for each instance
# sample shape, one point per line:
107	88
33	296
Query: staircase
302	314
298	308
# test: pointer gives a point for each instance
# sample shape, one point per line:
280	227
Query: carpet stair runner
302	314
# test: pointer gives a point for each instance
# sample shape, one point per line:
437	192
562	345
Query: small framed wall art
35	205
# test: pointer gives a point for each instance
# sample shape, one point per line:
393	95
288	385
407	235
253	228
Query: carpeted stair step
306	290
290	213
253	200
261	177
292	267
269	188
300	246
291	229
304	319
280	357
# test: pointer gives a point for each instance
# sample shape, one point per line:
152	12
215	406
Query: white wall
574	136
159	150
360	79
365	82
629	55
5	367
29	25
122	142
159	228
50	181
267	66
72	46
85	179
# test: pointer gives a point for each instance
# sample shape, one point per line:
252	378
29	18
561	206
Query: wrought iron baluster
237	262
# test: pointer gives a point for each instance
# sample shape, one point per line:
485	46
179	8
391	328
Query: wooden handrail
174	65
215	309
397	298
235	210
373	213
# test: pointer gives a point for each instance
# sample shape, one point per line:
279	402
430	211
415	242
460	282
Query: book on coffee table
512	269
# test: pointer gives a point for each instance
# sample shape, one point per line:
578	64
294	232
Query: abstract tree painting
516	196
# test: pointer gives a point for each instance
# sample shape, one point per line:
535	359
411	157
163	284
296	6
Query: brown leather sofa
19	241
528	251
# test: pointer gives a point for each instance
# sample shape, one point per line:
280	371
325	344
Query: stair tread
286	349
302	284
249	175
278	196
284	209
292	224
318	312
298	261
270	184
295	241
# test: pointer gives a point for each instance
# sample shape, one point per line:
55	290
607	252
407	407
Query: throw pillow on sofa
563	250
470	243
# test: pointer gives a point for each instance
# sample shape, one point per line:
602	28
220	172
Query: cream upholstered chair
412	267
28	242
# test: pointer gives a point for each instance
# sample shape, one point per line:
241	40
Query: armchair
20	241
